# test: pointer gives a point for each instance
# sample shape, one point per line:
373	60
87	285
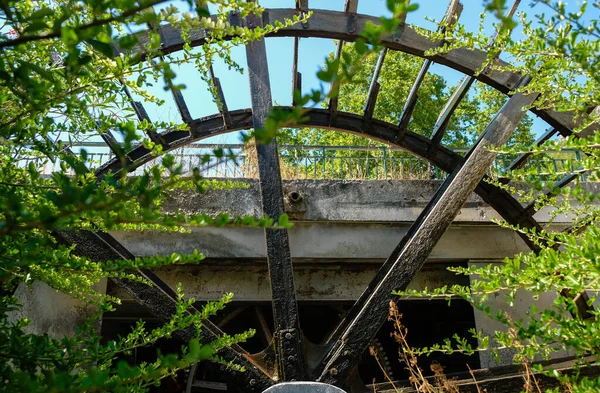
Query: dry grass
440	383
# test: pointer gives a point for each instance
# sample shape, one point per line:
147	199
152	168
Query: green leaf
284	221
69	36
35	26
102	47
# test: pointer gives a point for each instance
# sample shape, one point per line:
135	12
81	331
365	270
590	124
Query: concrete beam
517	312
314	281
52	312
335	200
310	241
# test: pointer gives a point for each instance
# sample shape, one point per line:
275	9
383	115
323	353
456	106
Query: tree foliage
67	69
396	79
559	49
64	70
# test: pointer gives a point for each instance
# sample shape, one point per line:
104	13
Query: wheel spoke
370	311
288	336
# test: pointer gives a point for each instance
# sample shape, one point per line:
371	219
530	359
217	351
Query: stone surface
320	240
314	281
336	200
303	387
521	306
50	311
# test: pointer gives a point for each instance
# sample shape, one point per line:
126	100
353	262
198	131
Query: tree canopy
396	79
68	71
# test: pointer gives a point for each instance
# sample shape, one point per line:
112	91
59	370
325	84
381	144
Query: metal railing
316	162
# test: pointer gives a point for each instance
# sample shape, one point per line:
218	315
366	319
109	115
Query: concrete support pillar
523	301
52	312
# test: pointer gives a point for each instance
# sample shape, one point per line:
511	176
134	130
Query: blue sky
312	52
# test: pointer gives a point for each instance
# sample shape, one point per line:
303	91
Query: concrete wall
314	281
333	220
326	240
334	200
487	326
342	232
50	311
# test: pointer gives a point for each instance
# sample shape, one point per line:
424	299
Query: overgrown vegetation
559	49
65	67
66	71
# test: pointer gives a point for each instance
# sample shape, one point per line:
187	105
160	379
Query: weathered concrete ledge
335	220
336	200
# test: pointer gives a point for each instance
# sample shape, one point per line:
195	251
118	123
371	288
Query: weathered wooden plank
112	143
522	158
407	112
140	111
181	106
177	94
530	207
588	131
221	103
351	6
444	118
461	91
227	120
288	336
334	101
142	115
370	311
452	14
347	27
370	104
296	77
374	87
302	5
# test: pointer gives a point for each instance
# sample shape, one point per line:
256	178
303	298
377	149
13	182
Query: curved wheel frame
465	176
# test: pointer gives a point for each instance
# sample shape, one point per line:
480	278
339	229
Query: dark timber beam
181	106
302	5
444	118
461	91
452	14
160	300
142	115
588	131
288	336
530	207
520	161
374	87
350	7
296	76
370	311
522	158
221	103
111	142
177	94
